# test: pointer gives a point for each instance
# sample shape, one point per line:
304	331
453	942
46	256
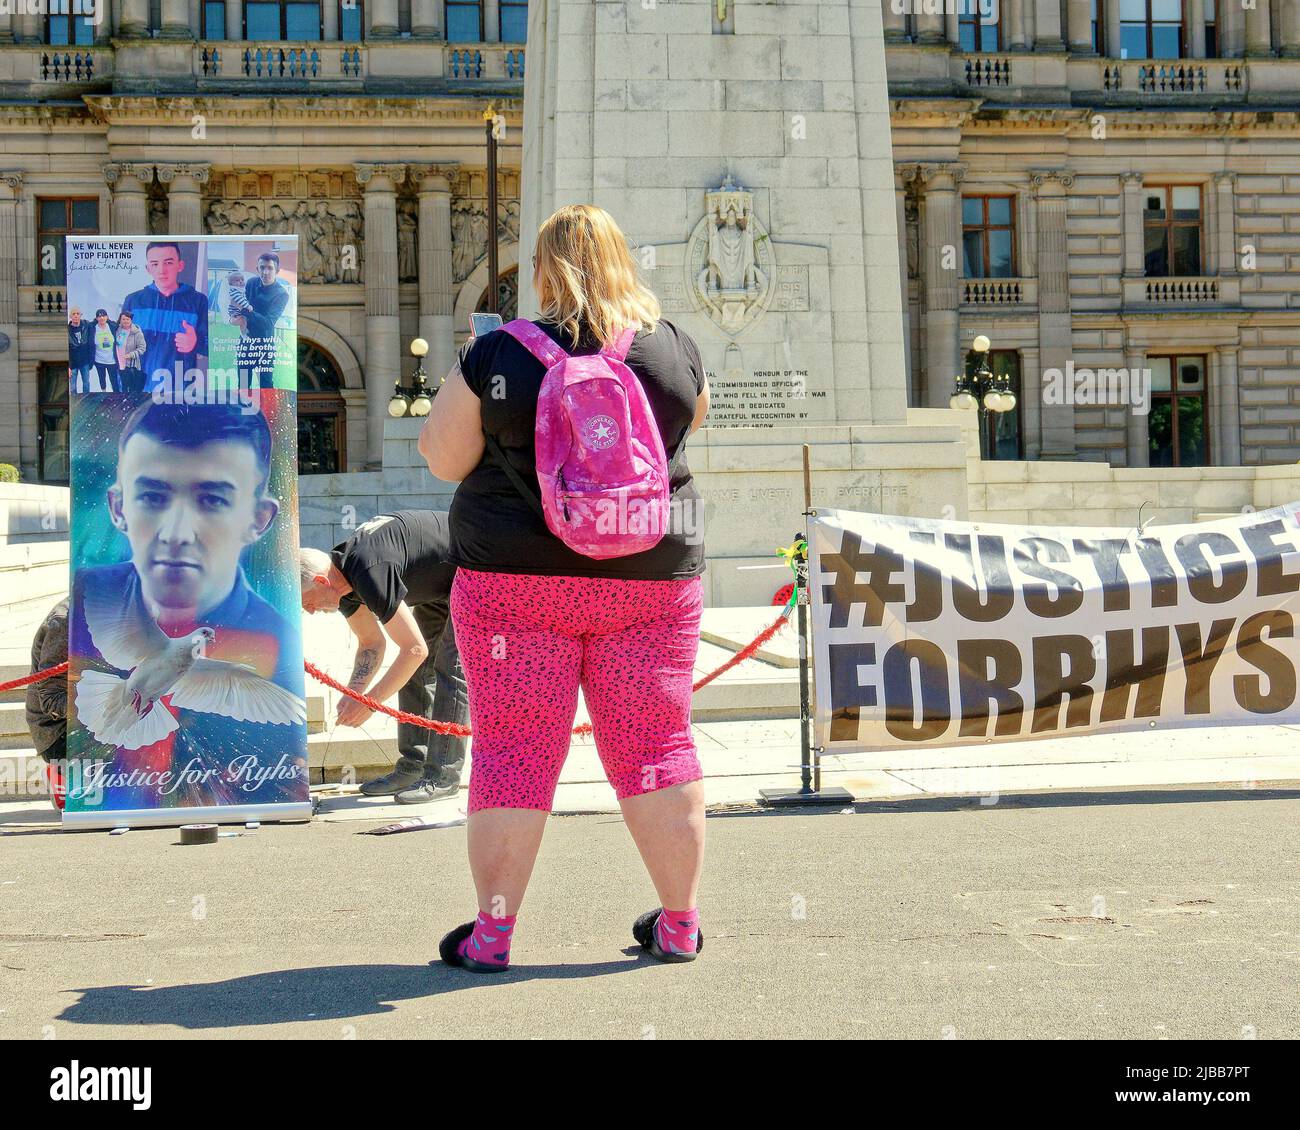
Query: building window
352	20
988	237
1098	27
274	20
55	219
1000	431
70	23
1151	29
977	31
1211	30
514	21
1172	223
1178	424
214	19
464	21
52	433
322	414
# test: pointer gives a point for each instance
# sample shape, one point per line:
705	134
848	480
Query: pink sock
678	931
490	940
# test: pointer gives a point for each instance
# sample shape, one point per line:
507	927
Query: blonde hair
585	276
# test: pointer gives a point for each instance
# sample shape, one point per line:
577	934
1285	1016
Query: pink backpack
600	458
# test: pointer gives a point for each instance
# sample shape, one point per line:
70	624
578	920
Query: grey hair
312	563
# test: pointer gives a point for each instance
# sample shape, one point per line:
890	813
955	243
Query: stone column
184	185
383	329
1136	435
1112	31
1231	29
235	20
383	23
491	21
902	175
1196	28
130	210
437	294
1290	31
424	18
176	20
1224	204
133	23
952	28
1259	28
1134	240
1047	35
895	23
930	27
1055	337
1226	438
943	268
1013	25
10	385
1079	27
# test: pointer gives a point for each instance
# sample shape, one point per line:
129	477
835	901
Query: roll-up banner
935	633
185	683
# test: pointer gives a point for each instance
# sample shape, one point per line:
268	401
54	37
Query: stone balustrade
1186	291
1000	292
38	302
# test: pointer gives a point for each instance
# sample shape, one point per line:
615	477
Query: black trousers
436	691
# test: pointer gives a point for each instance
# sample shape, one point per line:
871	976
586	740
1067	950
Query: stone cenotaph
744	147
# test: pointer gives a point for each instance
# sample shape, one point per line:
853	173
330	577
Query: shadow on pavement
340	992
1081	798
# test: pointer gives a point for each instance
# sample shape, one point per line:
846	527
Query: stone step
32	574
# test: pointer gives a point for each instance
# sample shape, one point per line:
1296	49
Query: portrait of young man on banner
186	683
251	286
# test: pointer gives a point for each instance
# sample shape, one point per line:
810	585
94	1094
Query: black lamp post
984	391
413	399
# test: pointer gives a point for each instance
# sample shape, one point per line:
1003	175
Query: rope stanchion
451	728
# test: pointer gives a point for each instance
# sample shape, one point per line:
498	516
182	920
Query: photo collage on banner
186	688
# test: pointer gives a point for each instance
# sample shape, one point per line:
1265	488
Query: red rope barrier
450	728
48	673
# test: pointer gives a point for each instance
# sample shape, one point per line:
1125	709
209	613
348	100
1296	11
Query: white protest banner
932	633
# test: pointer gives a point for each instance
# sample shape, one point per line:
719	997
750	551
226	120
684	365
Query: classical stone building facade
1106	185
355	124
1101	186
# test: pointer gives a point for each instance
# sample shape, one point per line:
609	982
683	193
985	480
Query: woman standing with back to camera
534	616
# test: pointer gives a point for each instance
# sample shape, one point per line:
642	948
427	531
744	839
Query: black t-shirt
495	529
393	558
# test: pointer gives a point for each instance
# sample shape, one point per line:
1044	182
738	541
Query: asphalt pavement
1171	912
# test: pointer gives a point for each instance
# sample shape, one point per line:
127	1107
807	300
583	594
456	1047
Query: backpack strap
514	476
535	341
621	344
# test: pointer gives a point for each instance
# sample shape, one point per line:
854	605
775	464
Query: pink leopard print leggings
527	643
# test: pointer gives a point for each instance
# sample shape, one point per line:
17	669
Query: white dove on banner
126	712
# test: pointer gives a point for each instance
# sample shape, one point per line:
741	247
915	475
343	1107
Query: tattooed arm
370	649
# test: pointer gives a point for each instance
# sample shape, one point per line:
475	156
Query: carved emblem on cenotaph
730	267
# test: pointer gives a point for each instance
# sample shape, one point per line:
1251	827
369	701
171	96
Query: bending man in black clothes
389	578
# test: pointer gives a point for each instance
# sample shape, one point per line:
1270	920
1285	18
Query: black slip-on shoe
643	930
401	778
447	951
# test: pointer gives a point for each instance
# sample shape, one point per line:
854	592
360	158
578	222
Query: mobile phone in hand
482	324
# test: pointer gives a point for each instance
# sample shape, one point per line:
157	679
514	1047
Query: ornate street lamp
983	390
416	398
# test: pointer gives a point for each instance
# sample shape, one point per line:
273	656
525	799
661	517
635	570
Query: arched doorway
322	416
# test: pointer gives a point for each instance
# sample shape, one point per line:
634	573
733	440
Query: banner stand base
788	798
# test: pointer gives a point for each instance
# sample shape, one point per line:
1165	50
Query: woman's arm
451	440
701	406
